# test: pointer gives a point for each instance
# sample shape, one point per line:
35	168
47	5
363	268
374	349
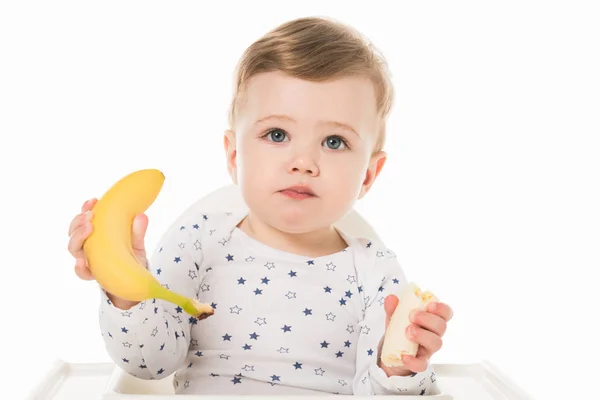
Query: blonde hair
316	49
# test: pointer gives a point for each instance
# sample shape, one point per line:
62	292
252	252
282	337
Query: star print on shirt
266	287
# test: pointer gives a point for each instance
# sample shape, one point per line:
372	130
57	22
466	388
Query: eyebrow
336	124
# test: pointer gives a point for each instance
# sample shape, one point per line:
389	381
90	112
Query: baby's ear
230	154
375	166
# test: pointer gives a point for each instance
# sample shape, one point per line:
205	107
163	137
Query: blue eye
334	142
276	135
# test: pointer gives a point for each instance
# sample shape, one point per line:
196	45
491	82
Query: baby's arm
151	339
386	277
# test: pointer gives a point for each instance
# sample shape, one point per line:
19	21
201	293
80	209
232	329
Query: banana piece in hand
395	342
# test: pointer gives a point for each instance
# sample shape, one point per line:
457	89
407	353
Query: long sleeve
386	277
151	340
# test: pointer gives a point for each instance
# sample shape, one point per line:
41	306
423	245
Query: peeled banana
395	342
108	248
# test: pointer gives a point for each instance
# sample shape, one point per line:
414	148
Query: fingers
79	229
429	340
415	364
429	321
390	304
81	217
441	309
78	236
82	230
79	220
88	205
140	224
82	270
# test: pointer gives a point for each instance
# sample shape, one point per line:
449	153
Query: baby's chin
299	221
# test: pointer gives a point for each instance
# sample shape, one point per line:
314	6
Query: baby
301	307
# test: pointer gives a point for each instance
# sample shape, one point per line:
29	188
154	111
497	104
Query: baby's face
319	136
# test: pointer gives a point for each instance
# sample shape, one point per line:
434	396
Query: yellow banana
109	251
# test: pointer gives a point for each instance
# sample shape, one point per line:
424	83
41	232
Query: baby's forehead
345	101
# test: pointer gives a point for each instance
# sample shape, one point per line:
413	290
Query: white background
491	188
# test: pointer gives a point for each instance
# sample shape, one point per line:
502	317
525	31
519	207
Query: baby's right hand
79	230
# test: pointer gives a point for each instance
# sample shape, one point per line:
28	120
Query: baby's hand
426	330
81	227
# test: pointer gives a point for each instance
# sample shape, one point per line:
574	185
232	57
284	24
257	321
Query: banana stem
190	306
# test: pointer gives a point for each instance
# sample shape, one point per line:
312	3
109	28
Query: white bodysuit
283	323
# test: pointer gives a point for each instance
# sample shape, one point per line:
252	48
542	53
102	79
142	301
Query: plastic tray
105	381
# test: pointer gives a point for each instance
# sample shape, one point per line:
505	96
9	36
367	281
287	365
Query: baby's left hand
426	330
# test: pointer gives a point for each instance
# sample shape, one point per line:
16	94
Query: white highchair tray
106	381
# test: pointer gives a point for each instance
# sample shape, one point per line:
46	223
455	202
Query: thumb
140	224
390	304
